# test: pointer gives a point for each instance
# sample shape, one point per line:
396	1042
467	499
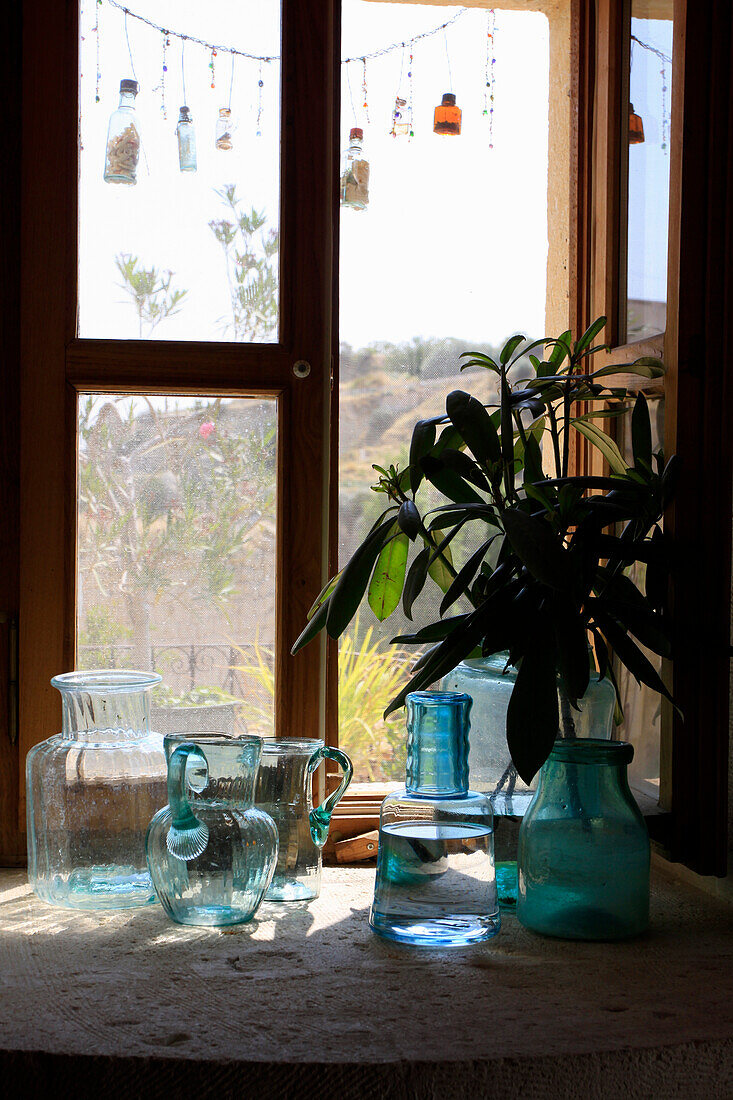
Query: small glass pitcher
211	854
284	790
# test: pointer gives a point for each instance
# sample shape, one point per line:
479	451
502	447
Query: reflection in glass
176	552
648	198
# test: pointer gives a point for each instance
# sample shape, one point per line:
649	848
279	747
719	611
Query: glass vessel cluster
436	883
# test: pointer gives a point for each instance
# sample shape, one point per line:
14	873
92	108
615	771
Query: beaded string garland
490	87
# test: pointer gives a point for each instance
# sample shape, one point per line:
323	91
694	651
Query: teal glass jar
489	682
91	791
436	881
211	853
583	847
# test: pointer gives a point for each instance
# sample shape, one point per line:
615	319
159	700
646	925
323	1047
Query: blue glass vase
490	682
583	847
436	882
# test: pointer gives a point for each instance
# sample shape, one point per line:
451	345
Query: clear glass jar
583	847
91	791
355	173
491	768
186	141
123	138
436	883
224	128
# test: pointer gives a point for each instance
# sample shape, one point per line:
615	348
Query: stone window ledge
307	999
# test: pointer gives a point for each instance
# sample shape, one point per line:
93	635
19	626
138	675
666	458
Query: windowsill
130	999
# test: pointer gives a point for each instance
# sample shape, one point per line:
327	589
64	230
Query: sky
454	242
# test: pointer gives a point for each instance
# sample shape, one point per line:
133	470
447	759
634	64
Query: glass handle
320	818
187	837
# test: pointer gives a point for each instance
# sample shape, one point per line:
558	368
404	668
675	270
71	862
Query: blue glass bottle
583	847
436	882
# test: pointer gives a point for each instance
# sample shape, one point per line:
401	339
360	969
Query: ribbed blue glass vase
436	882
583	847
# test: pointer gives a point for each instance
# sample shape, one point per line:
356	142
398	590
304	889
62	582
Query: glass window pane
179	209
449	253
176	551
650	90
642	707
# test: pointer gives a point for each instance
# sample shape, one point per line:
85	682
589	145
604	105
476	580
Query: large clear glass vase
91	791
436	883
583	847
489	681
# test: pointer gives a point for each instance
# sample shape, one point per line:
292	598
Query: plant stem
567	722
555	439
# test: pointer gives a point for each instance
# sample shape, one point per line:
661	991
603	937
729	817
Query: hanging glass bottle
186	141
123	138
355	173
447	118
636	127
224	128
436	882
400	121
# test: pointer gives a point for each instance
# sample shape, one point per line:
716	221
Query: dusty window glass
179	171
650	91
444	248
176	520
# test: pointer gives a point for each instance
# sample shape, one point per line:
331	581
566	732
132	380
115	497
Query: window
195	369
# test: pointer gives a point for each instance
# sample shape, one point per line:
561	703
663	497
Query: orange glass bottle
447	116
636	127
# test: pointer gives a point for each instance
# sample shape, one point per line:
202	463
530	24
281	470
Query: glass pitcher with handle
211	853
284	791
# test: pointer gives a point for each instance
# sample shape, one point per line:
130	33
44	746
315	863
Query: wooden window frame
694	749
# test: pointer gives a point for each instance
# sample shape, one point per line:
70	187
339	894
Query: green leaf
534	541
450	484
532	460
388	578
641	433
463	465
346	596
605	445
478	359
532	719
646	367
510	347
631	656
572	649
434	632
415	582
440	569
314	626
408	518
465	575
590	334
423	438
322	595
471	419
560	349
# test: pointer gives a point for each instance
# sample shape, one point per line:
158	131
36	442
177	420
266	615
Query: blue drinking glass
436	881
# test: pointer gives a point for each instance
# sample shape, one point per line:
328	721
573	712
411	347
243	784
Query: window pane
650	90
450	253
176	551
179	213
642	707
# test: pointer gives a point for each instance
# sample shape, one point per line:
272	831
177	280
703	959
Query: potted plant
548	570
